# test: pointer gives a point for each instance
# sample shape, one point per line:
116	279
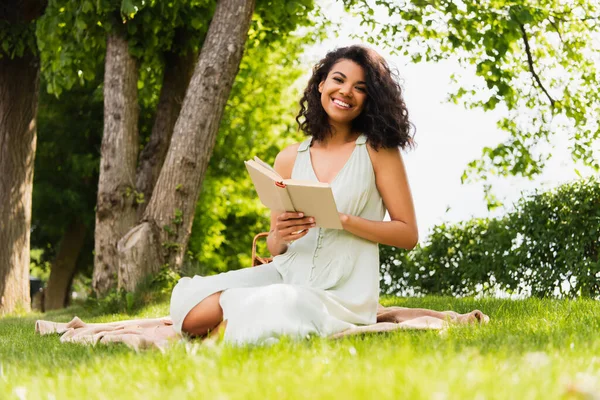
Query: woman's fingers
296	229
293	218
298	223
292	226
296	236
289	215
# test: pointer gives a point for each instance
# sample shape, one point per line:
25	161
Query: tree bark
171	207
115	208
138	248
19	85
178	71
63	268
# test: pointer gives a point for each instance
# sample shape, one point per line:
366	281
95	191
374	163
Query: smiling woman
324	282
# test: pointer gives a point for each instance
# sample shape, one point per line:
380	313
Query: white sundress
326	282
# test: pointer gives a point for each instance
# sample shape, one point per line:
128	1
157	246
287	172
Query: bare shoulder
384	157
284	162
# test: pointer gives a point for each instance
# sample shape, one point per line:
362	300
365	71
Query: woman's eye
337	80
361	89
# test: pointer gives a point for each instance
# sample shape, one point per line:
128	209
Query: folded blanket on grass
137	333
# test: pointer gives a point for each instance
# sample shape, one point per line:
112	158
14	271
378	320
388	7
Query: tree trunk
115	208
19	80
63	269
138	248
178	71
171	208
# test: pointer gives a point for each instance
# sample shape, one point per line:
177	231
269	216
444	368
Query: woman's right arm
285	226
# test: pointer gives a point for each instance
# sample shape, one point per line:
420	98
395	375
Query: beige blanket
137	334
158	332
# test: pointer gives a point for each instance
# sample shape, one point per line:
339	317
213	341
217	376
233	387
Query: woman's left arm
392	183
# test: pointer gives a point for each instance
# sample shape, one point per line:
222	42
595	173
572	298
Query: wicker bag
256	259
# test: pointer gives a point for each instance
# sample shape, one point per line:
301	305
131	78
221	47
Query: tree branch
536	77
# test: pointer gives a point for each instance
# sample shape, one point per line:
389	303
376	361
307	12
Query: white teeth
341	103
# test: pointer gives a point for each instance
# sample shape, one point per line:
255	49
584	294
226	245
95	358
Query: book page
284	197
264	164
268	171
271	194
265	187
317	202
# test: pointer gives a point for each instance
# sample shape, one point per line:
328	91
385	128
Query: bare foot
473	317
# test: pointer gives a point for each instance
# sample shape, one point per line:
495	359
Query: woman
321	282
324	281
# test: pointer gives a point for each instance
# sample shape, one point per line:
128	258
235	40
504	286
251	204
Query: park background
496	218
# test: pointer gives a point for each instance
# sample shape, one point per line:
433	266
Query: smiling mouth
341	104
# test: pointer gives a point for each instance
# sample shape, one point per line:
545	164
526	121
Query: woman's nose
346	91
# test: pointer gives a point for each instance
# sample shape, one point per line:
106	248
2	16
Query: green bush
546	247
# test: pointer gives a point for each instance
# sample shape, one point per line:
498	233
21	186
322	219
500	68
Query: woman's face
344	91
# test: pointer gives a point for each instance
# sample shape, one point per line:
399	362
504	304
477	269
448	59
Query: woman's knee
205	316
283	298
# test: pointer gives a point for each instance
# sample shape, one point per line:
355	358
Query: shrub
547	246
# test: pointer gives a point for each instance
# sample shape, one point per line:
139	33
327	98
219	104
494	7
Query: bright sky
448	137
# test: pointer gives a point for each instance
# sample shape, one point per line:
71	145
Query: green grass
531	349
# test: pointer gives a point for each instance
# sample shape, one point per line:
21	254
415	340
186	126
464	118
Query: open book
314	199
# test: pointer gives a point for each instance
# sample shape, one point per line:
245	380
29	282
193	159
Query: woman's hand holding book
291	226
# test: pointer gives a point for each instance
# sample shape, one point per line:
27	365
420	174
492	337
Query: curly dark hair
384	119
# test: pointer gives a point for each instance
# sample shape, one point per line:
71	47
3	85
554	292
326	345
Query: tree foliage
549	245
16	38
66	167
538	59
79	29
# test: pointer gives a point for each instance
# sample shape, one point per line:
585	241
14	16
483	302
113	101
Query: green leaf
87	6
197	23
128	9
80	24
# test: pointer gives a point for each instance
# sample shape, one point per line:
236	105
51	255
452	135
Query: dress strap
305	145
362	139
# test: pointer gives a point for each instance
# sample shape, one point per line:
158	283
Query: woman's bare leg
204	317
394	318
401	314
